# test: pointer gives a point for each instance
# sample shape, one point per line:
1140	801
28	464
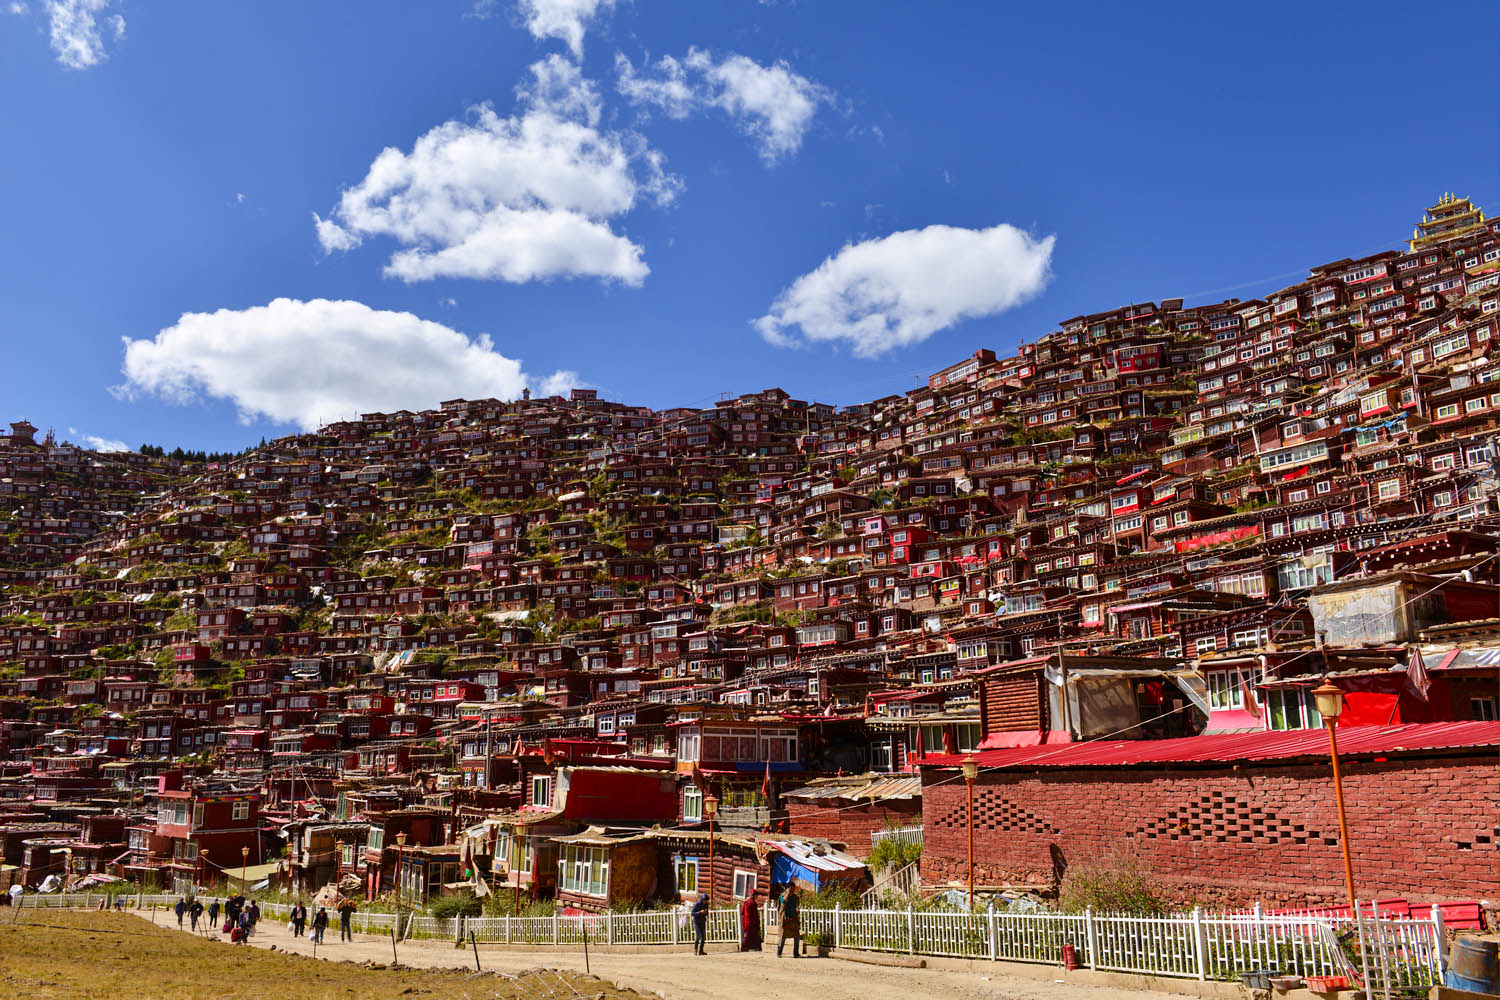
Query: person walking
346	914
299	919
194	912
320	924
213	914
791	922
749	924
254	912
700	924
245	927
180	909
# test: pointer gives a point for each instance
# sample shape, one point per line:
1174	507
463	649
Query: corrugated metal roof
1353	741
861	788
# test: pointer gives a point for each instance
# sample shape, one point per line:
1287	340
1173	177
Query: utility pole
488	748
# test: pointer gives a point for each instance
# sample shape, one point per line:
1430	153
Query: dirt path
679	975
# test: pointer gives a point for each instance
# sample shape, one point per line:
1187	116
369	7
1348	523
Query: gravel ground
680	975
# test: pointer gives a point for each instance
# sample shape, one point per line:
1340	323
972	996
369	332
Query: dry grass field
53	954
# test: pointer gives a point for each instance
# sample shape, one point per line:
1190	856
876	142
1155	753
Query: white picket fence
1398	952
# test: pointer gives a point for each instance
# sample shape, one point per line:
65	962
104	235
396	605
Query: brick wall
1420	829
849	823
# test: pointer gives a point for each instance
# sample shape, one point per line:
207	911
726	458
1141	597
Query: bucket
1471	965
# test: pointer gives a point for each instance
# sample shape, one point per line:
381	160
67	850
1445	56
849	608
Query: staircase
902	881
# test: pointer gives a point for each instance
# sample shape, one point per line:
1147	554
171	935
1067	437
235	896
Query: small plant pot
1285	984
1327	984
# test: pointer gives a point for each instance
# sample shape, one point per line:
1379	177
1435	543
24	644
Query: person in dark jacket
299	919
700	924
180	909
791	922
320	924
213	914
195	910
346	914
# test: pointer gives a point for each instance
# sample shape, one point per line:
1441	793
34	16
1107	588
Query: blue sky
670	200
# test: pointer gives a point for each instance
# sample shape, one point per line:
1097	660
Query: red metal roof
1353	741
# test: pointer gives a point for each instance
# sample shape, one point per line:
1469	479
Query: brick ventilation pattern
994	813
1228	820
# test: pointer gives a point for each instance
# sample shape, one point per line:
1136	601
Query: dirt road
679	975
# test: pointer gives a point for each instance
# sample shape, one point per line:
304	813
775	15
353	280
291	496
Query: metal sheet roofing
1224	747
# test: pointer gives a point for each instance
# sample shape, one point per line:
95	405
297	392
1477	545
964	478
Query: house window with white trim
744	884
1388	489
692	804
687	875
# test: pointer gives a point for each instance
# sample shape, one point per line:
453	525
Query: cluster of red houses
544	644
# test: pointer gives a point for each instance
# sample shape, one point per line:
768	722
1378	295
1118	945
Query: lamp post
244	869
971	771
400	846
203	866
338	861
710	809
1330	702
67	868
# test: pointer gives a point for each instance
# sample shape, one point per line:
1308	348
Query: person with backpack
791	922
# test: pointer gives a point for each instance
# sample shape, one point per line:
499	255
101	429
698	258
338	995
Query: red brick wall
1419	829
849	823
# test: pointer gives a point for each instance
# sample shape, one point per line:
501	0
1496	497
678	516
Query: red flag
765	783
1416	673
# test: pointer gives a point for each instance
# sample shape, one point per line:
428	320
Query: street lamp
1330	702
400	845
244	869
338	861
971	771
710	809
203	865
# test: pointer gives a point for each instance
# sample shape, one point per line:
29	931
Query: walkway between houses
680	975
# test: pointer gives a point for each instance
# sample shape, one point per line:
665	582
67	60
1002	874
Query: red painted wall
1420	829
843	822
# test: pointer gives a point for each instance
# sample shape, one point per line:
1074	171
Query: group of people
298	922
788	901
193	911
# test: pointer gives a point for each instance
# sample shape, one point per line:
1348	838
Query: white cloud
523	198
96	443
771	104
310	362
564	19
17	7
900	289
74	29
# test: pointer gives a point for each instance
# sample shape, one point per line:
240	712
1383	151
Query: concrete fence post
458	931
507	928
556	928
994	935
1200	943
1090	940
837	912
609	927
1439	938
911	930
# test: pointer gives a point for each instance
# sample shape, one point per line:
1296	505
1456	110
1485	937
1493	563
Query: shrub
461	904
893	854
1114	883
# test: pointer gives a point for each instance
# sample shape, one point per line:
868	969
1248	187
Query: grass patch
52	954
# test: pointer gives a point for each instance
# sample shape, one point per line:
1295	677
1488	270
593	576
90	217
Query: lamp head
970	768
710	804
1330	701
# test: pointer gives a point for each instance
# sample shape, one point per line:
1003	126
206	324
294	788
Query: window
197	814
1205	644
241	809
687	875
1388	489
583	870
541	790
744	884
1482	709
692	804
1443	499
1291	708
687	744
1226	689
